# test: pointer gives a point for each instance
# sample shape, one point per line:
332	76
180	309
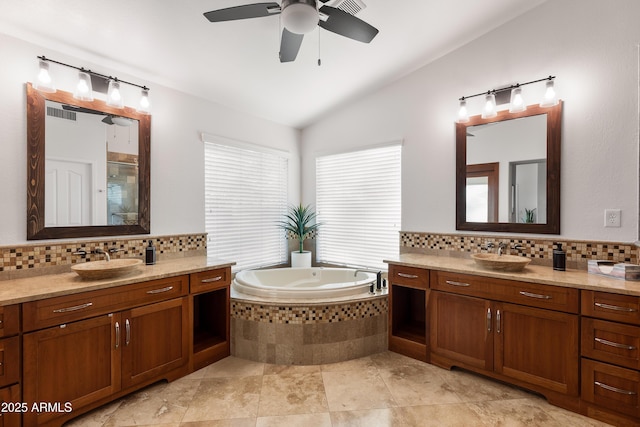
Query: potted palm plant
299	223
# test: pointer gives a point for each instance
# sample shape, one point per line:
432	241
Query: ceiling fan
300	17
109	119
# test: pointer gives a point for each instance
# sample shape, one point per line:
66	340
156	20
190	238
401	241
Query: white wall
177	169
592	48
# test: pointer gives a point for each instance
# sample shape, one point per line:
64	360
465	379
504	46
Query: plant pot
301	259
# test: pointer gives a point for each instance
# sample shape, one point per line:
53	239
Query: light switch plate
612	217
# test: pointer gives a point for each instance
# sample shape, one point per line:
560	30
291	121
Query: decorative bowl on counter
510	263
96	270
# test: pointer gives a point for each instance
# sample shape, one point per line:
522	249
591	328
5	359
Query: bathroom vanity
85	343
571	336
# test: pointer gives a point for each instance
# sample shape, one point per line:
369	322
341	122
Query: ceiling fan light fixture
299	16
121	121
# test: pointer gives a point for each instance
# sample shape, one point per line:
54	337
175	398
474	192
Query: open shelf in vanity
408	297
210	307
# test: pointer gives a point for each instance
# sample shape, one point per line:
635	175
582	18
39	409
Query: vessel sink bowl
95	270
497	262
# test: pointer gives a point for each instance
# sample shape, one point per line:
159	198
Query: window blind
245	196
358	202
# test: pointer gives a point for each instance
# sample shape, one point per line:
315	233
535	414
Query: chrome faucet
378	274
101	251
501	247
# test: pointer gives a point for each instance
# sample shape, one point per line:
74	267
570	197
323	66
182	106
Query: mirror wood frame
36	114
554	131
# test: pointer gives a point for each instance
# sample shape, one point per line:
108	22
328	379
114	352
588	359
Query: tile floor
385	389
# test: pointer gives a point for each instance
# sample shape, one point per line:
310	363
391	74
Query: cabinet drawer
70	308
603	305
9	320
611	342
9	361
409	276
611	387
530	294
209	280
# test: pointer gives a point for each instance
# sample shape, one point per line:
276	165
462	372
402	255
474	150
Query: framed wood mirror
88	171
508	172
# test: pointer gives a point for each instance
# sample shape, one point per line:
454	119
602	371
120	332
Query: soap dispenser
559	258
150	254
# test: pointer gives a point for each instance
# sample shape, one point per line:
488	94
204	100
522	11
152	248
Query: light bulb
144	102
84	89
517	101
463	113
549	99
489	109
44	82
114	98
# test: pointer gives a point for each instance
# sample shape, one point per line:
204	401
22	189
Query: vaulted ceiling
236	63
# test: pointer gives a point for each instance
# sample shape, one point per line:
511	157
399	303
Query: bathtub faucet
377	272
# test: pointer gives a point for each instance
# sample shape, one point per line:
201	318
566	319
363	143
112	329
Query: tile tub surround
50	256
308	333
539	249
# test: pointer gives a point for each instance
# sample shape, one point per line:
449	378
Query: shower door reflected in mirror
122	192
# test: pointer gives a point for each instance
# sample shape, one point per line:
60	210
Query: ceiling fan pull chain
319	60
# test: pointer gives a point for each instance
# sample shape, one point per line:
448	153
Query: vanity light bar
516	104
84	90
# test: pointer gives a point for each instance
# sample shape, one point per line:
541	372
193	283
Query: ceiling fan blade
340	22
81	110
256	10
289	45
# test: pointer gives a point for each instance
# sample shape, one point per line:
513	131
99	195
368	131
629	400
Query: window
358	202
245	197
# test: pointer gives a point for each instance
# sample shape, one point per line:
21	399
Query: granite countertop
15	291
578	279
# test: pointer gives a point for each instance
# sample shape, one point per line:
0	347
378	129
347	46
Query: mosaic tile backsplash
540	250
33	257
304	313
56	254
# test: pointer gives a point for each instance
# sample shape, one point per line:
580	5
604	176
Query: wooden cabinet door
155	340
461	329
76	363
537	346
13	415
9	361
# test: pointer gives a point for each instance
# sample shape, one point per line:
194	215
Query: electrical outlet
612	217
